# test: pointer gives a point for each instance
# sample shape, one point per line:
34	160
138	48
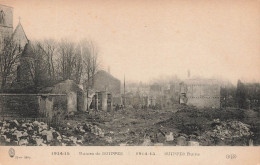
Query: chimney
188	73
108	69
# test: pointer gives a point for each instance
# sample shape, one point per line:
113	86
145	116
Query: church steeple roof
19	29
19	35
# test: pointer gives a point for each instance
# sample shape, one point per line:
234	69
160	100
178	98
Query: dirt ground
133	127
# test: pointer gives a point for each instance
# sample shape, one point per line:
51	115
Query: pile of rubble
177	139
229	130
216	132
37	133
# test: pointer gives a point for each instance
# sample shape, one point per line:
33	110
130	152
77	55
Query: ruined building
201	93
107	89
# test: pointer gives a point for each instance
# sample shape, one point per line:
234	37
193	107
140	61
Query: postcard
129	82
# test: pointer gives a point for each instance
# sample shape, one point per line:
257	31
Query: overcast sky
147	39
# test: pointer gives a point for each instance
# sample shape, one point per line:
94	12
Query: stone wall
52	106
33	106
19	106
72	102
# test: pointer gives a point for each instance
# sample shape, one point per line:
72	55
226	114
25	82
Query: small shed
75	96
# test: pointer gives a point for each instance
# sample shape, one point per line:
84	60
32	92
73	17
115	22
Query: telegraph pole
124	90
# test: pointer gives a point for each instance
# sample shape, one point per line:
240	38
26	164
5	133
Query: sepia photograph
129	73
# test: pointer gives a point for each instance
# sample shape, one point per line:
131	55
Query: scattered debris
193	143
181	141
169	137
38	133
147	141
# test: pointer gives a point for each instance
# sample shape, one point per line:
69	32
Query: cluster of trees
48	62
228	96
244	95
9	55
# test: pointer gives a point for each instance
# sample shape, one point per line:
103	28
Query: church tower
6	28
6	22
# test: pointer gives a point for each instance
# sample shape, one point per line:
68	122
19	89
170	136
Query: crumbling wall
104	101
88	98
80	102
46	106
72	102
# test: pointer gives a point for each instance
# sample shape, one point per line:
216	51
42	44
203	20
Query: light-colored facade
201	93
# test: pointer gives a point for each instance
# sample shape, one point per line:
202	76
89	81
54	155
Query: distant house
200	93
155	89
104	81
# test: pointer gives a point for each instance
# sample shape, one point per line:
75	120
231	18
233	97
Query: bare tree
49	49
74	61
67	58
89	53
70	61
94	63
78	66
9	55
85	53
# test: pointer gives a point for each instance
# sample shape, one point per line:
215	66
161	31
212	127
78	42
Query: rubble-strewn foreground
181	125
